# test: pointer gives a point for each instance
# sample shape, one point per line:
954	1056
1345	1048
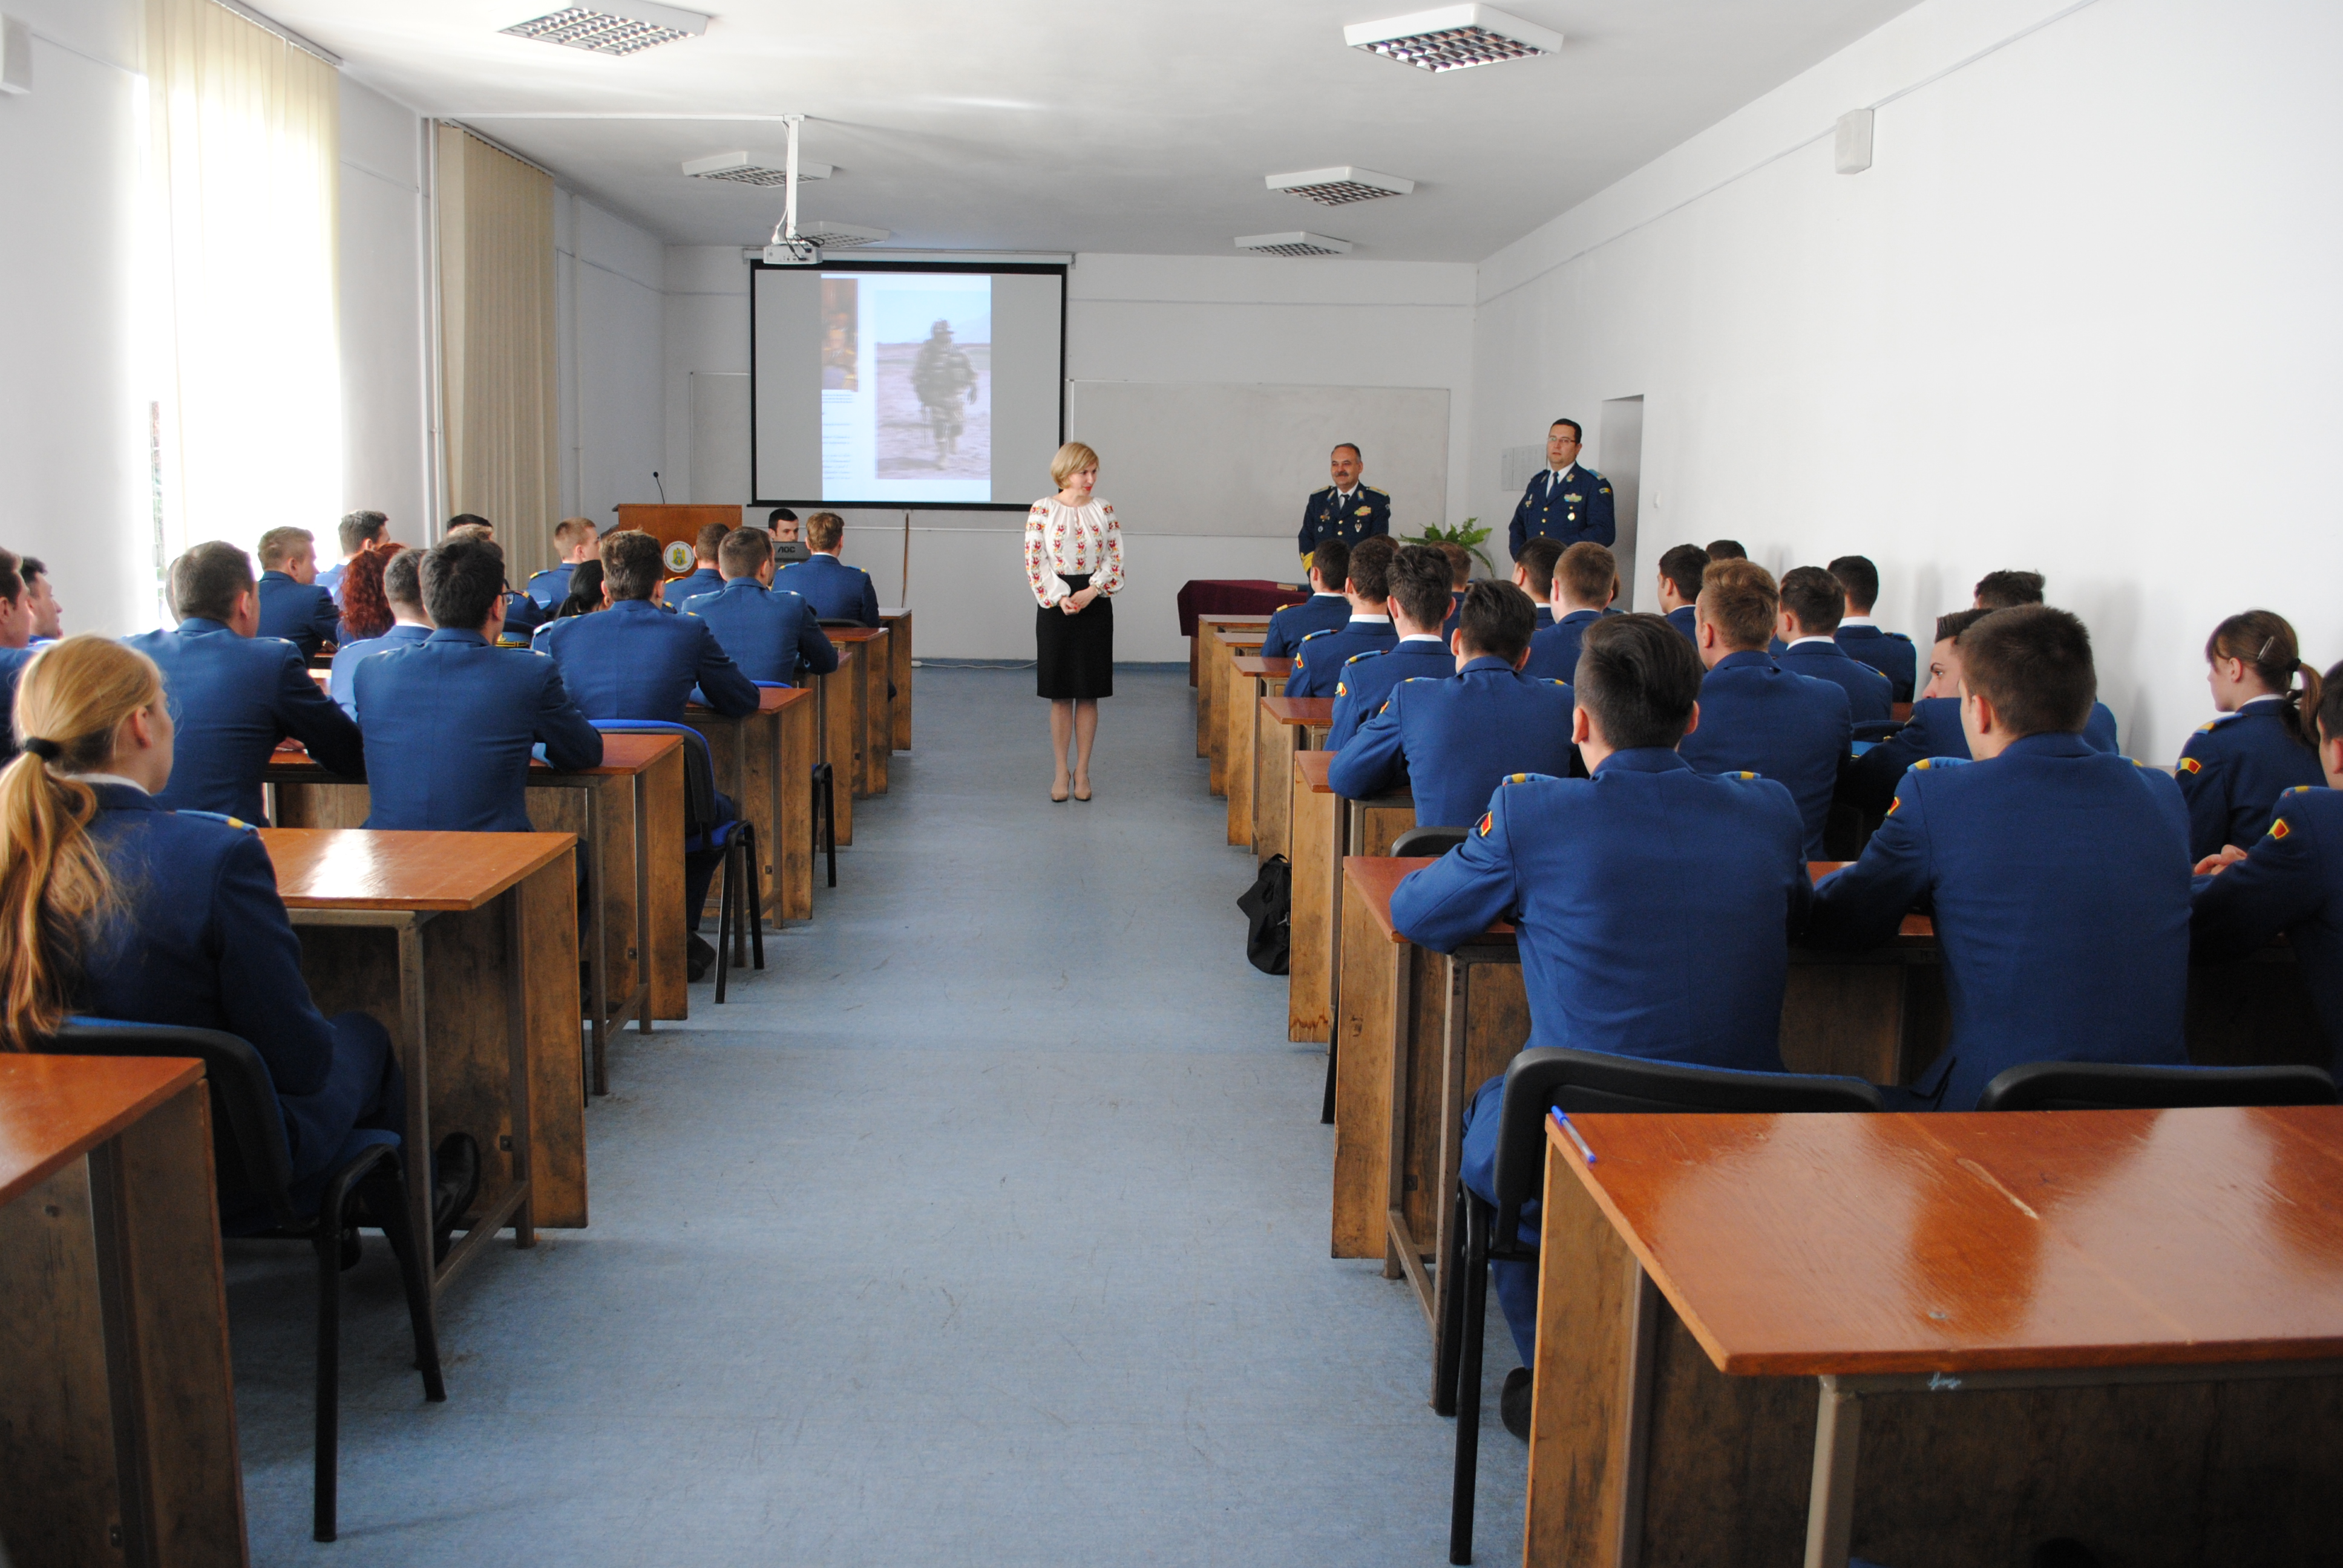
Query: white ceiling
1052	125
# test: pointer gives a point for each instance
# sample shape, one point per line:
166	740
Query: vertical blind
245	171
498	360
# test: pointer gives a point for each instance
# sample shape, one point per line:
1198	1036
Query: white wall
1343	323
384	295
2080	316
74	486
609	275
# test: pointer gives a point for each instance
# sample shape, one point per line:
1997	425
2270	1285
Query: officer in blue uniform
1591	870
1327	608
2057	876
292	605
2233	769
1419	593
357	533
1533	574
707	575
1346	510
1565	501
2291	880
837	591
1453	741
1585	581
771	634
451	722
402	585
1812	603
1755	716
235	695
1889	652
574	540
1319	657
17	620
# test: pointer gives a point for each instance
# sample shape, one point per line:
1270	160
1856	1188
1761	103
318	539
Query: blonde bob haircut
1072	459
72	700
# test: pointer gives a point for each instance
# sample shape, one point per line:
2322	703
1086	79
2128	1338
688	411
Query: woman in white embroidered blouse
1073	560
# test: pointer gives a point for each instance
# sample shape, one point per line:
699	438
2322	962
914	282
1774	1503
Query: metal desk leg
417	1156
1830	1512
524	1218
642	797
598	1078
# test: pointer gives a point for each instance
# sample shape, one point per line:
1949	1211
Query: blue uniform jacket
702	579
1758	718
201	941
1570	506
837	591
1451	742
1367	678
330	580
524	614
1545	617
449	725
1288	627
1870	696
1318	659
1655	907
2057	877
1682	619
346	661
769	634
13	661
2233	771
1889	652
232	698
1553	652
633	661
303	613
1328	515
2290	881
551	586
1456	613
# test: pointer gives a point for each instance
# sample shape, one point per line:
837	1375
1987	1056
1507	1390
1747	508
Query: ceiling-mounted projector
793	253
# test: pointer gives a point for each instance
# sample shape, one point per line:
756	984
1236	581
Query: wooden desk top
358	869
56	1108
769	699
1238	642
1309	769
1301	711
1801	1245
851	634
621	754
1225	621
1373	879
1264	668
1899	711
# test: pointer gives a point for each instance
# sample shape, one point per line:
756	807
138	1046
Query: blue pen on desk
1563	1122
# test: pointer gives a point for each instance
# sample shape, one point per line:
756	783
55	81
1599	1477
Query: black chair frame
2127	1086
737	917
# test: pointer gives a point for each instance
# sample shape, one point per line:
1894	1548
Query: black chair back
254	1165
1427	841
2125	1086
698	768
1876	729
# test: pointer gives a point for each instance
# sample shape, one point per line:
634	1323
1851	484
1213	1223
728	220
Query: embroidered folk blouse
1062	541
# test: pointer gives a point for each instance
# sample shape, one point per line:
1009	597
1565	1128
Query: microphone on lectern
662	488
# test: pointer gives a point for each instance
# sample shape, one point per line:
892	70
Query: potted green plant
1463	533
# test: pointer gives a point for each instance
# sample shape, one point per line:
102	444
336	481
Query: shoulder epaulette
235	822
1371	653
1372	491
1741	774
1326	631
1896	637
2297	790
1550	680
1927	763
1522	779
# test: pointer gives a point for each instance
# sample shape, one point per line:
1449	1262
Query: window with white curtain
243	183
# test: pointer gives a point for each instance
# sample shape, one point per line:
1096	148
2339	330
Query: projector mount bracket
785	248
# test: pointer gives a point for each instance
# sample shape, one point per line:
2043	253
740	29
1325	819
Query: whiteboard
1202	457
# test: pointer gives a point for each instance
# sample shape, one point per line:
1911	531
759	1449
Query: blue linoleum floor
988	1226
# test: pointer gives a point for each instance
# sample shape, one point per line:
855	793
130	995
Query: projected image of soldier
946	384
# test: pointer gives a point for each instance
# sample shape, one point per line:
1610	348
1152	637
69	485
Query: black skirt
1074	655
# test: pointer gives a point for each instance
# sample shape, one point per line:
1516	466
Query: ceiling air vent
612	26
1297	243
1452	37
839	235
1340	187
742	169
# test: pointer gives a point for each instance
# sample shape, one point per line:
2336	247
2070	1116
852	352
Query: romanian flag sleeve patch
1487	820
2190	765
2278	829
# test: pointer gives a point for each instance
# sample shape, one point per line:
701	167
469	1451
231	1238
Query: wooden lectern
669	524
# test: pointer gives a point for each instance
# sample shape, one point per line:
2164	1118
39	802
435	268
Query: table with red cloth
1236	596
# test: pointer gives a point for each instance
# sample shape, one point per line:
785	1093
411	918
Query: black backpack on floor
1268	905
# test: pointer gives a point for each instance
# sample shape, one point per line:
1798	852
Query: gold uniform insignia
1341	689
1895	805
2190	765
2278	829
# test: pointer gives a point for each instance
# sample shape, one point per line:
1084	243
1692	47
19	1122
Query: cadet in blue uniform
1755	716
1680	571
16	618
2057	876
771	635
837	591
402	587
1533	574
2233	771
292	605
234	695
193	932
1889	652
523	615
634	662
2291	880
451	722
1812	603
358	533
1655	905
1418	580
2009	590
1585	581
1565	502
1327	610
1453	741
707	575
1345	511
1319	657
575	540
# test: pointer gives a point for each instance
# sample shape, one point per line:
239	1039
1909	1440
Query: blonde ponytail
71	701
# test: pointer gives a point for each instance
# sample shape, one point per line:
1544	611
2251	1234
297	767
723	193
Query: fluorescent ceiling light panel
1452	38
1339	185
1298	243
745	170
839	235
612	26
